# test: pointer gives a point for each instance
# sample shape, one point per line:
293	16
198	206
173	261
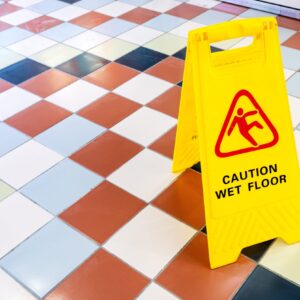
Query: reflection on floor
89	208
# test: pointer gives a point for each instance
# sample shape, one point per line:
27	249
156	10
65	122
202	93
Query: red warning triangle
246	128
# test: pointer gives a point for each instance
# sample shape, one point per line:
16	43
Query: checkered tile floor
89	208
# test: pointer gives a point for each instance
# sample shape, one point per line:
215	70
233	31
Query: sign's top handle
234	29
263	31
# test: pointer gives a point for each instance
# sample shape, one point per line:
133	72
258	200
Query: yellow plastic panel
234	115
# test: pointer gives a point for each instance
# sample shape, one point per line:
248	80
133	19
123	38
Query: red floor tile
111	76
106	153
4	26
293	42
189	276
170	69
103	211
90	20
184	199
168	102
102	276
7	8
40	24
288	23
37	118
186	11
165	144
139	15
230	8
4	85
109	110
48	82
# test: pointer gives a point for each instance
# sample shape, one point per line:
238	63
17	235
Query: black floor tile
257	251
215	49
180	54
141	58
83	64
265	285
197	167
69	1
22	71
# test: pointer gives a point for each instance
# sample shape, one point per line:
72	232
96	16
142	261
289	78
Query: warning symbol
246	128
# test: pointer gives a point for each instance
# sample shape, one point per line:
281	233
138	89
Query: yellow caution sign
234	118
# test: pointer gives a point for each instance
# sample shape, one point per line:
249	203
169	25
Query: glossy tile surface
96	155
189	275
60	138
44	259
89	206
22	70
61	186
103	211
149	253
30	218
152	183
112	279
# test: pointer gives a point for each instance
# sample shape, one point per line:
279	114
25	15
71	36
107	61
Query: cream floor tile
56	55
32	45
5	190
8	57
113	49
167	44
283	259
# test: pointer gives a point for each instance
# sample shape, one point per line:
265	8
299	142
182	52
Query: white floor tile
20	218
143	88
161	6
115	9
146	175
26	162
87	40
295	110
144	126
247	41
204	3
68	13
140	35
154	291
12	290
25	3
32	45
19	99
183	29
288	73
20	16
283	259
297	139
76	95
226	44
8	57
150	240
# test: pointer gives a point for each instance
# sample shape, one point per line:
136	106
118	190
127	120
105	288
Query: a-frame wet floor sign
234	118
